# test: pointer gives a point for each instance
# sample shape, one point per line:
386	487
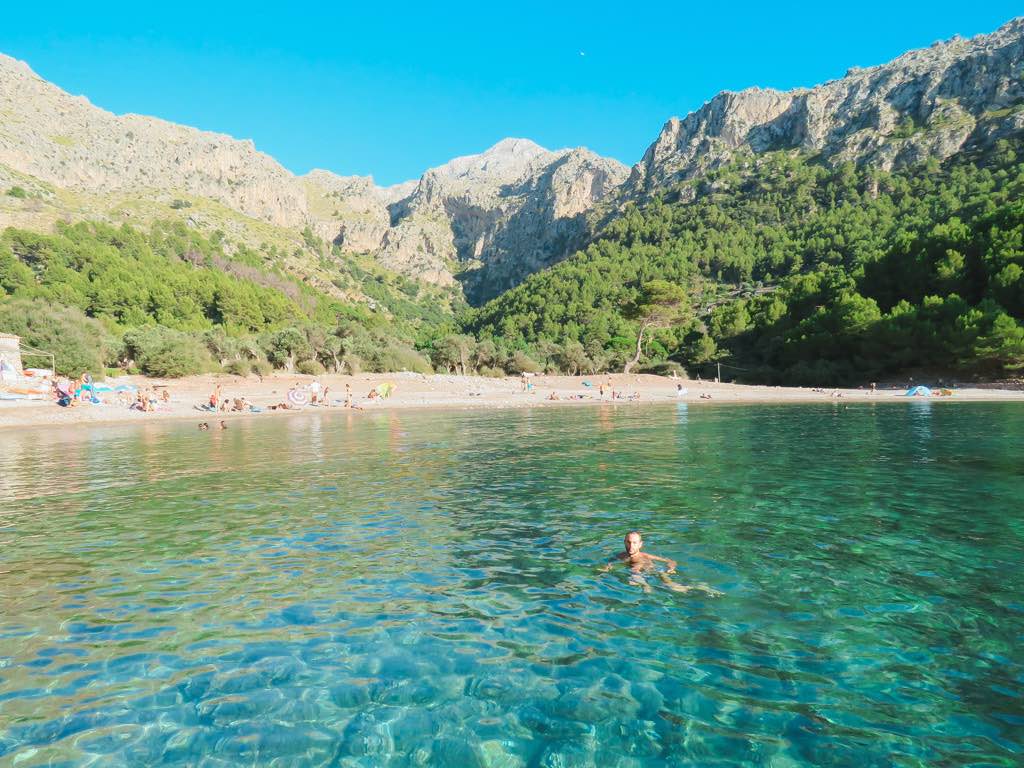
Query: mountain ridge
65	141
485	221
861	117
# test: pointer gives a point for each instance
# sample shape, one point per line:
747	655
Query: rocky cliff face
504	212
498	216
488	220
927	103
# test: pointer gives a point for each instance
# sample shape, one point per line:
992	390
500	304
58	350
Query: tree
659	304
520	362
452	352
78	343
286	347
1002	347
164	352
573	358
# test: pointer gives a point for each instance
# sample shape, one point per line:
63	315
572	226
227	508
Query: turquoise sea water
422	589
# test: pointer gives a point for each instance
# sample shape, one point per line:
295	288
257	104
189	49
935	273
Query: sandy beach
442	391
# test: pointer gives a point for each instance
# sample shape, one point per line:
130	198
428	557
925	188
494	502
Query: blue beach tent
918	391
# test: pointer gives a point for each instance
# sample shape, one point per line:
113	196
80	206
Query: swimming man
643	562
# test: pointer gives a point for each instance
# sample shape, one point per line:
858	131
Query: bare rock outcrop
928	103
493	218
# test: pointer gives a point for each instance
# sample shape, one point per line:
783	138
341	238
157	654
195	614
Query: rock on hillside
926	103
497	216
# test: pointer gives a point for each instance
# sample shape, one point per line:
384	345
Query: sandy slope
416	391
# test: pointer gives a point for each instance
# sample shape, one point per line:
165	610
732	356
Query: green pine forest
791	272
777	266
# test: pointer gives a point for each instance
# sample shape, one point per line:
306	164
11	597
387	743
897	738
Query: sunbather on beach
641	563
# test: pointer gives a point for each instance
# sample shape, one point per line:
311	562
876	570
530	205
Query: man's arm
610	564
668	561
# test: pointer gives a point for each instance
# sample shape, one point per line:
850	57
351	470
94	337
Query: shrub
310	368
262	368
179	204
176	359
493	373
77	342
166	353
401	358
351	364
238	367
18	192
521	362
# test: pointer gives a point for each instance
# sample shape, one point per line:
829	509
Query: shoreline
443	392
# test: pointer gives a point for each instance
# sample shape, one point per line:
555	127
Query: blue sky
390	89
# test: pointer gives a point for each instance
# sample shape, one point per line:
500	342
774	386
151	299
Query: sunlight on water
423	589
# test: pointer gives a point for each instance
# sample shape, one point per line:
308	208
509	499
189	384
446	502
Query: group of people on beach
69	392
218	402
299	396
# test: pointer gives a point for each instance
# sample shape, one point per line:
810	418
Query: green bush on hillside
166	353
795	272
77	342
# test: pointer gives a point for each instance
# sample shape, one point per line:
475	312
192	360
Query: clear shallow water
421	589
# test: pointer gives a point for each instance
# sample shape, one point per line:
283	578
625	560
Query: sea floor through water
425	589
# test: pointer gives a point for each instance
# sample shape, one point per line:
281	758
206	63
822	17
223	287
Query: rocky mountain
498	214
67	142
484	222
928	103
487	220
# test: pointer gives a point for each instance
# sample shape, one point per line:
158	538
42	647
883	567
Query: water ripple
424	589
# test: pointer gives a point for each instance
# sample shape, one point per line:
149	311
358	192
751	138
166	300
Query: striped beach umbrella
298	397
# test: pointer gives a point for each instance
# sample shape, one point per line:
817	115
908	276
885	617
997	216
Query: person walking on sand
215	398
641	563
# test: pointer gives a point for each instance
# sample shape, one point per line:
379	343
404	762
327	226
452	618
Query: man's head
633	542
